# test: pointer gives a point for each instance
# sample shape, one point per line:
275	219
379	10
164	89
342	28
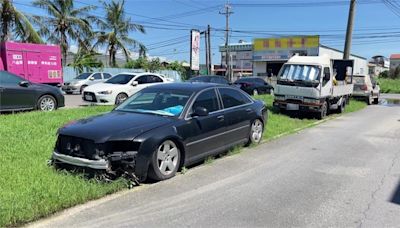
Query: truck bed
340	90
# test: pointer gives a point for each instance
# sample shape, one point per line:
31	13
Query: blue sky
168	23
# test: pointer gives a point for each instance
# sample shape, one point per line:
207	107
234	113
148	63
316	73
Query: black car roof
192	86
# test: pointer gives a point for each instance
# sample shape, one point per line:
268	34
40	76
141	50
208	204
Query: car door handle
249	110
220	118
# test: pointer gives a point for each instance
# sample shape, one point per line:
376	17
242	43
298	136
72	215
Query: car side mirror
200	111
134	83
91	78
23	83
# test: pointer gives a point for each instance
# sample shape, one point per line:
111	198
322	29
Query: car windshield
358	80
83	76
120	79
156	101
293	72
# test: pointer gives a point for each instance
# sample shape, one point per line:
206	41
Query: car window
207	99
106	75
232	97
120	79
9	79
97	76
153	79
142	79
358	80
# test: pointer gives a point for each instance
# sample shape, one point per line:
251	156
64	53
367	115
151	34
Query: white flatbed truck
315	84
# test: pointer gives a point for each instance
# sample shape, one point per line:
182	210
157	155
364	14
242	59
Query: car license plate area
292	107
88	98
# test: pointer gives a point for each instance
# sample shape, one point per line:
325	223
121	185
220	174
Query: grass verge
29	189
389	85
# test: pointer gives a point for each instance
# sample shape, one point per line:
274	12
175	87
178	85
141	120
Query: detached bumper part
82	162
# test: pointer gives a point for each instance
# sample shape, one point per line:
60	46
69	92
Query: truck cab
313	84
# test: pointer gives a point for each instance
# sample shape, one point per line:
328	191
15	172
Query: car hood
116	125
75	81
103	86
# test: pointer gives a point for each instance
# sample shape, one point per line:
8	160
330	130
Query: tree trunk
64	48
6	18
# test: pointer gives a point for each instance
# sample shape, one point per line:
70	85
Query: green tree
85	61
140	63
115	29
65	23
11	19
155	65
177	66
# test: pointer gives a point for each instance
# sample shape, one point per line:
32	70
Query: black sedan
210	79
17	93
162	128
254	85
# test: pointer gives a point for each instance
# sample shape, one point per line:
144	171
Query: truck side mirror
327	74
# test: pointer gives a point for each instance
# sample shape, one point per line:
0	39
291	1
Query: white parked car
365	87
118	88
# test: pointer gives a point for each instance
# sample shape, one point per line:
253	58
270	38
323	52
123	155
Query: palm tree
115	28
11	19
85	61
65	23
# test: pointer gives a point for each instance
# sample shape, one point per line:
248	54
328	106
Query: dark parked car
254	85
210	79
162	128
17	93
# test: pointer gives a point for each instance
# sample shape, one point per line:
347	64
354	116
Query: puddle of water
390	102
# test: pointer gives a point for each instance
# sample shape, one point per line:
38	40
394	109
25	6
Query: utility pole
209	66
206	41
227	13
347	45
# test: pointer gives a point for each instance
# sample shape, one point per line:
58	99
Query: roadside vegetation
30	189
388	85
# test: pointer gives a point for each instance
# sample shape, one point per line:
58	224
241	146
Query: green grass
389	85
29	189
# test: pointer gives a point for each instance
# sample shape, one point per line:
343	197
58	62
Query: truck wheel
47	103
341	107
324	111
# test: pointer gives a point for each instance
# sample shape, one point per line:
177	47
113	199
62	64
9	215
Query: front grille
77	147
86	95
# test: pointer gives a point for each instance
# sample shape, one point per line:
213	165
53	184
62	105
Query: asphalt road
74	101
341	173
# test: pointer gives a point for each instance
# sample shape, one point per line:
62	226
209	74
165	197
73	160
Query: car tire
46	103
255	92
324	111
165	161
121	97
376	100
369	100
82	88
256	132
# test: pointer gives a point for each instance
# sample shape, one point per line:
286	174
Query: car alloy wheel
167	158
120	98
256	131
47	103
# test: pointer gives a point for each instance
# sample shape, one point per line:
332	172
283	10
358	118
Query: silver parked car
365	87
84	80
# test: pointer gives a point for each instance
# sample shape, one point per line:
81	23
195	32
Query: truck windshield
293	72
83	76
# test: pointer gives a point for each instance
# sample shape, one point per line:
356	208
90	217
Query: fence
69	73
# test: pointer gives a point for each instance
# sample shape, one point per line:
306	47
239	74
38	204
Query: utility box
38	63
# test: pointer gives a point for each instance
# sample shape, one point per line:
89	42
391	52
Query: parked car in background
254	85
17	93
161	129
118	88
83	80
210	79
365	87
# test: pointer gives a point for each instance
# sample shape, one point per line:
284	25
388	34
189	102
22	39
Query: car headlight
311	101
106	92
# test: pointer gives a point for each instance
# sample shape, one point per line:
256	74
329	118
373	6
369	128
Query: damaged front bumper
101	164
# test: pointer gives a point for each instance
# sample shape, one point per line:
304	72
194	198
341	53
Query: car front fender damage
107	161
